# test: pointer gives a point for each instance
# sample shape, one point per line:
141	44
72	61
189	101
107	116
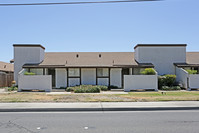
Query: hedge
29	73
170	88
87	89
148	71
166	80
192	71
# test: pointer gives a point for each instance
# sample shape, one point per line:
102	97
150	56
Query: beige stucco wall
162	57
135	82
61	77
115	77
35	82
24	55
88	76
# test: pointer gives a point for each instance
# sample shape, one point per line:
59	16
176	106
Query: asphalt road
100	122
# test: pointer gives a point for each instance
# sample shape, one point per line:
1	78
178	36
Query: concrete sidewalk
98	106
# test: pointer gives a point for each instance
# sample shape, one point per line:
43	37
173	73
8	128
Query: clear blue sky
98	27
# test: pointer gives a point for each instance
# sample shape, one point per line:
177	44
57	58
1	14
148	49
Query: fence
136	82
182	77
6	79
35	82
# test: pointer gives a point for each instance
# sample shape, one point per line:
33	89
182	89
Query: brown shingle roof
88	59
6	67
193	57
107	59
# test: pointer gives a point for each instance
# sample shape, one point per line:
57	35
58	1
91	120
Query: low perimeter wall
182	77
189	81
193	81
35	82
135	82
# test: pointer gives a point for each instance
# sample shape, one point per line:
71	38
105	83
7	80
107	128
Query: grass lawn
130	97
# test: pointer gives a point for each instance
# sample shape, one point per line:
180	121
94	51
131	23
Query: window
73	72
137	71
36	71
102	72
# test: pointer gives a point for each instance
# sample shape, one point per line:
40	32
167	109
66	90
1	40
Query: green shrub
29	73
167	88
166	80
103	87
192	71
94	89
79	90
161	81
148	71
13	88
176	88
170	80
70	89
87	89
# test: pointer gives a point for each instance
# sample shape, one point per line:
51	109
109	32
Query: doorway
125	71
51	71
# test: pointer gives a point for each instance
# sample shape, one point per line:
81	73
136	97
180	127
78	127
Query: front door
51	71
125	71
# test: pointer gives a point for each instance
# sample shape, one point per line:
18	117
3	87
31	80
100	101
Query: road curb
95	109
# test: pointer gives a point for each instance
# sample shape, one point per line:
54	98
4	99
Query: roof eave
185	65
160	45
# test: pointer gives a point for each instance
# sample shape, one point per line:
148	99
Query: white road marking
86	128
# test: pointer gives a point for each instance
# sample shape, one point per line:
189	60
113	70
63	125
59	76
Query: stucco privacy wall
103	81
193	81
136	82
35	82
88	76
115	77
182	76
26	55
61	77
162	57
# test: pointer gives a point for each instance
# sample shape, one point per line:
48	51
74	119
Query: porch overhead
88	60
192	60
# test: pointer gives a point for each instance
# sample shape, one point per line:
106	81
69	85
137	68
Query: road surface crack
11	124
